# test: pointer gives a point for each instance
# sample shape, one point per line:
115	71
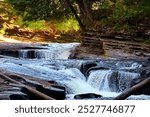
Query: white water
51	51
100	80
111	80
108	83
74	72
125	79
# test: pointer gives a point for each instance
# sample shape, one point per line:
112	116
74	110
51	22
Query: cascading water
45	54
52	51
101	80
108	83
23	54
125	79
110	80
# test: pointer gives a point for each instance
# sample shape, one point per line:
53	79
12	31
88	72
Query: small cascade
51	51
111	81
125	79
79	86
23	54
103	80
74	72
45	54
128	65
48	54
77	83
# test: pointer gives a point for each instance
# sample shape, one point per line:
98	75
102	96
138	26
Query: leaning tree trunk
90	44
85	13
133	89
82	26
31	90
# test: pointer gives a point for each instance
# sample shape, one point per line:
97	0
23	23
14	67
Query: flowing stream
51	62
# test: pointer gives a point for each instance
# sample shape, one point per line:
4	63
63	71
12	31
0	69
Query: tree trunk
133	90
76	15
30	89
85	12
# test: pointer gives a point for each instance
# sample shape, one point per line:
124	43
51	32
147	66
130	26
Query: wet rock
145	72
4	97
56	92
12	53
139	54
96	68
11	94
145	90
86	66
31	54
18	97
59	87
87	96
30	95
52	82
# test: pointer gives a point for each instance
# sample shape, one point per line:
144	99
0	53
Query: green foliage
147	41
36	25
19	21
67	25
145	6
2	31
123	13
40	9
33	25
119	14
6	9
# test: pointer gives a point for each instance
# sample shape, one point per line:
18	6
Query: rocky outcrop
32	88
126	48
87	65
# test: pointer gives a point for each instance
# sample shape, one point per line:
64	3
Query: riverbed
90	78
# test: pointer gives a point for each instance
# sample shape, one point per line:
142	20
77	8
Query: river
108	77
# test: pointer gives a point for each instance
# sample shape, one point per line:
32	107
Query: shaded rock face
82	52
18	97
144	73
87	96
15	91
55	92
85	66
12	53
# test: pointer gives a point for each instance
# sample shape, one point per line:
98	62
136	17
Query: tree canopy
87	10
90	14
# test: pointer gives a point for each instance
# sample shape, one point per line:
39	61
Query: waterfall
45	54
23	54
49	52
102	80
111	81
125	79
79	86
77	83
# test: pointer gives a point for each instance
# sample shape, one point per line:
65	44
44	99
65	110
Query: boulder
87	96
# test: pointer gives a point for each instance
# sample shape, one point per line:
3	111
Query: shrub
67	25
